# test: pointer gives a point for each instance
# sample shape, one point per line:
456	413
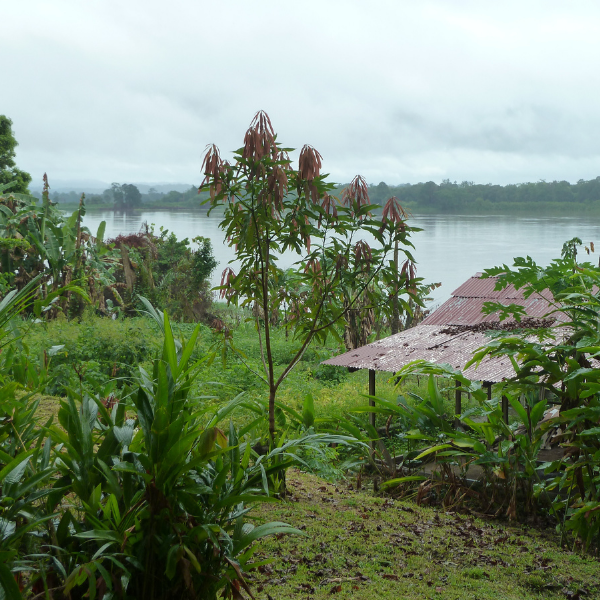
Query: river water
450	248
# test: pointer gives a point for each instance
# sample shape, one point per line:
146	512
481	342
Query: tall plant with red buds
342	250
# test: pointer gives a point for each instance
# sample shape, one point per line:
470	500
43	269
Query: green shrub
100	346
330	375
149	496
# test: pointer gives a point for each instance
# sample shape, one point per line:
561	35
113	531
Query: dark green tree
131	195
9	173
117	195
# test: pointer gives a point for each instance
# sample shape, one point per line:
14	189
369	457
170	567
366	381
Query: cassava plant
342	249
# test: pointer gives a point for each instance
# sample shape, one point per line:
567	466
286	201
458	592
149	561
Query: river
450	248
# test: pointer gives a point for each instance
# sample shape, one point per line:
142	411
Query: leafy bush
166	270
141	496
36	238
556	361
330	375
100	347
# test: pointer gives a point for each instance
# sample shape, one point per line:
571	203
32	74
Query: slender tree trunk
270	365
395	309
272	391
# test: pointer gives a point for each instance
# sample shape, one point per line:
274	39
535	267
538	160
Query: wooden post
505	409
457	403
489	389
372	393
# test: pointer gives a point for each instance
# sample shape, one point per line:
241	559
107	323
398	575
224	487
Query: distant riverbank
547	209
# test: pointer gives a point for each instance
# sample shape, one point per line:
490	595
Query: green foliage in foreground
142	496
554	362
141	479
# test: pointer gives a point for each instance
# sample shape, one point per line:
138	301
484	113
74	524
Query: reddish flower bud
357	191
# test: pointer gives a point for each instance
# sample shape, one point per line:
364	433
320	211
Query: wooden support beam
372	393
505	409
457	402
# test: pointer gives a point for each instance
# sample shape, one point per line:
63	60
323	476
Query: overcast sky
399	91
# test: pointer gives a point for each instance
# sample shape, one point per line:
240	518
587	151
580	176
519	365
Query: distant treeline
561	196
429	197
126	196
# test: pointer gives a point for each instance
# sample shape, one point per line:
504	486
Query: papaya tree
342	247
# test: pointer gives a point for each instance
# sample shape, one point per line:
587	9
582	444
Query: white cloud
398	91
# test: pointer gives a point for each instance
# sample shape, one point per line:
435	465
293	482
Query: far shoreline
541	209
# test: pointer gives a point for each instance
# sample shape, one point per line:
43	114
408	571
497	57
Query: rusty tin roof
435	341
430	343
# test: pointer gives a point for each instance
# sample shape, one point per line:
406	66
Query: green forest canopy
430	197
467	196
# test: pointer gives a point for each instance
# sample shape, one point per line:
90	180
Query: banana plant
36	239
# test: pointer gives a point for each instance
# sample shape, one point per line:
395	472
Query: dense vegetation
36	238
11	177
133	447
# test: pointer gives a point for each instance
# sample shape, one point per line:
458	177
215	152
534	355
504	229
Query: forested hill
555	196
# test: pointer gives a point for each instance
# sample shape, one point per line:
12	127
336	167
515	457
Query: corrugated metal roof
475	287
467	311
426	342
433	341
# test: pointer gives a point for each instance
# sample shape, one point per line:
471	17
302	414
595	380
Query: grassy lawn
358	545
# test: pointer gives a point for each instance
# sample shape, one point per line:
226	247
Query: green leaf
394	482
170	350
308	411
193	559
518	408
173	556
100	234
187	352
54	253
8	583
537	412
103	535
432	449
594	431
14	470
274	528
